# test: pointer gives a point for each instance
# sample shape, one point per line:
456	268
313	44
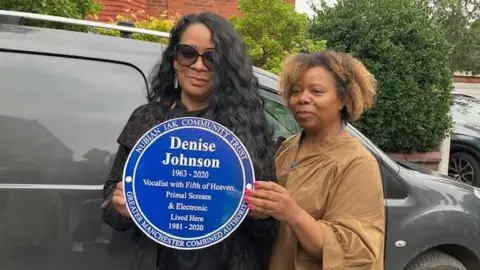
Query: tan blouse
338	184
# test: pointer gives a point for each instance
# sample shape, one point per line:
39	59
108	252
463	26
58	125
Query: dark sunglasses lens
186	55
208	59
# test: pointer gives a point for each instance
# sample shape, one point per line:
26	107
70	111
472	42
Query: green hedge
75	9
408	55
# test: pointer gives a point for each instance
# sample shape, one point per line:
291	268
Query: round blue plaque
184	183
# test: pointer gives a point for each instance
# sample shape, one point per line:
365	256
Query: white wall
445	155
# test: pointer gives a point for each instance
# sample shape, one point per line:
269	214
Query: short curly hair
356	86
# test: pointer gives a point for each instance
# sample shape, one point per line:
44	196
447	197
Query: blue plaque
184	183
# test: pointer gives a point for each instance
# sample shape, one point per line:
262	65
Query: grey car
64	98
464	164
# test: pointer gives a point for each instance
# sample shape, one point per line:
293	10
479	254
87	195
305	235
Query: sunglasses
187	55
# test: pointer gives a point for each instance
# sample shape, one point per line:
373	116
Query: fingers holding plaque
184	183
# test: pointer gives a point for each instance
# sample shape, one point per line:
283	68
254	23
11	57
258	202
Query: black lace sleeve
116	171
110	214
139	122
261	232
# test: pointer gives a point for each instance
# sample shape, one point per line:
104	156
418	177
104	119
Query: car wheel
435	260
464	167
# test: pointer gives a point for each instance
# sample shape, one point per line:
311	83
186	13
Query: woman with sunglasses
204	72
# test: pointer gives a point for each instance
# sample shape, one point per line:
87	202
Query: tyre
464	167
435	260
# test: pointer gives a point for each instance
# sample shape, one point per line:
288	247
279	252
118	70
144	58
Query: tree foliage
164	23
445	9
472	57
408	54
75	9
272	30
459	19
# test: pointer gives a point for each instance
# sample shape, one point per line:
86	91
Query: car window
279	130
282	116
63	114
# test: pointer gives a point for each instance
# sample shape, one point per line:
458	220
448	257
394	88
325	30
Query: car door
59	121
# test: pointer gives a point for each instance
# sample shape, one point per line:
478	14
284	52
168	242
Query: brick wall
113	7
226	8
158	6
466	79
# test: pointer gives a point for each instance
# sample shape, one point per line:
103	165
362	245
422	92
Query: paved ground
471	89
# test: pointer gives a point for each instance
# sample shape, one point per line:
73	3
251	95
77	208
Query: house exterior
226	8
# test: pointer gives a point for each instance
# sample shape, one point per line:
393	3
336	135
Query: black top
246	249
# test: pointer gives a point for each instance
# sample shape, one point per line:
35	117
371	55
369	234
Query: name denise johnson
198	145
181	160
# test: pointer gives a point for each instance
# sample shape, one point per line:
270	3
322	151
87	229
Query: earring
175	81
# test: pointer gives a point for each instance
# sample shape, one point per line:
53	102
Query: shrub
408	55
272	30
163	23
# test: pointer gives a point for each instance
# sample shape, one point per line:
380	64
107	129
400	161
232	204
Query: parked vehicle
64	99
464	163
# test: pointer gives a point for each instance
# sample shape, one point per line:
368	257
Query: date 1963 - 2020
195	174
190	227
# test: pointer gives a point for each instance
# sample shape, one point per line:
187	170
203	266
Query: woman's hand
118	201
271	199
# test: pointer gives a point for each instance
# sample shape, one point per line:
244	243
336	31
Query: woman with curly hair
204	72
329	196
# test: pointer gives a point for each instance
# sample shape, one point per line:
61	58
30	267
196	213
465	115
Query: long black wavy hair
235	102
